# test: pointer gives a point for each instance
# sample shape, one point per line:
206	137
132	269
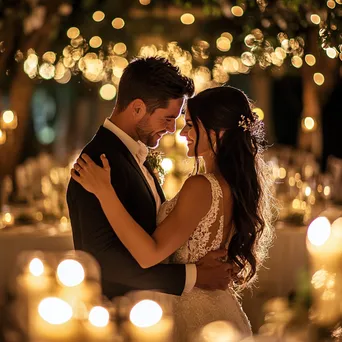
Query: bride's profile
227	206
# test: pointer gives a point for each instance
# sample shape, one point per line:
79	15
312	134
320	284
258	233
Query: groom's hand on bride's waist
214	274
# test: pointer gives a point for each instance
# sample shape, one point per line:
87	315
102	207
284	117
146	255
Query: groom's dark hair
155	81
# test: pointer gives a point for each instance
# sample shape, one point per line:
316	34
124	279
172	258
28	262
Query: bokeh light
8	116
73	32
259	112
36	267
315	18
237	11
331	52
331	4
55	310
319	231
98	16
223	44
70	273
308	123
99	316
318	78
95	42
49	57
120	48
296	61
118	23
146	313
310	59
108	92
187	18
167	164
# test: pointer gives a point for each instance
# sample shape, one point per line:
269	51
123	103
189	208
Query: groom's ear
138	108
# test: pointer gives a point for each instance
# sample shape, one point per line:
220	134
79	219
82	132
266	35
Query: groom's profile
151	95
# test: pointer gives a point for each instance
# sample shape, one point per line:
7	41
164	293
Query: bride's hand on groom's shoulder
92	177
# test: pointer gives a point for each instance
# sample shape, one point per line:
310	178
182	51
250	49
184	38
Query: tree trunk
22	88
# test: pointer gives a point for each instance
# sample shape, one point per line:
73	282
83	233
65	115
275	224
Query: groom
151	96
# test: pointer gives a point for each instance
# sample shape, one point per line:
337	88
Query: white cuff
190	277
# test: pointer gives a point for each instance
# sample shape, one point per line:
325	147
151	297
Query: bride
229	205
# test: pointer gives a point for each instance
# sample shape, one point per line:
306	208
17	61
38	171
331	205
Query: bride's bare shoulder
196	188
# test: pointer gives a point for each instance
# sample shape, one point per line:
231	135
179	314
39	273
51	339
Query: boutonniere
154	159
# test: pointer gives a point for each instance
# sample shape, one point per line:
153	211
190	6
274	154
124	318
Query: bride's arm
193	203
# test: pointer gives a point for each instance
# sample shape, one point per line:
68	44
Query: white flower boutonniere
154	159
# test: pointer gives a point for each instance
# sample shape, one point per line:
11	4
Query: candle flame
146	313
319	231
36	267
70	273
54	310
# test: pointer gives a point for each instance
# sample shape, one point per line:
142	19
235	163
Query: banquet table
287	259
14	240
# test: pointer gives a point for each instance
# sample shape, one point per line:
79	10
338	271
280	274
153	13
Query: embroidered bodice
208	234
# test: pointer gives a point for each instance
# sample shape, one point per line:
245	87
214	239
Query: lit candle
53	321
98	327
8	219
34	281
70	274
324	243
64	224
9	120
147	323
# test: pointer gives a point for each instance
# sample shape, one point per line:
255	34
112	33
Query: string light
227	35
310	59
187	18
49	57
120	48
73	32
331	52
315	19
318	78
223	44
118	23
296	61
98	16
95	42
331	4
145	2
108	92
308	123
237	11
47	71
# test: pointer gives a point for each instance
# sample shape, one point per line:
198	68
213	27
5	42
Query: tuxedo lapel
156	182
114	141
137	167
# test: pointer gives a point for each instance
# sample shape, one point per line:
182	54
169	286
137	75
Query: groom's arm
118	267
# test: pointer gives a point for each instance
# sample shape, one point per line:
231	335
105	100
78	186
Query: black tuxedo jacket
92	232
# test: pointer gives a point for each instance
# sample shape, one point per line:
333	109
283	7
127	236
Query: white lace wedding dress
199	307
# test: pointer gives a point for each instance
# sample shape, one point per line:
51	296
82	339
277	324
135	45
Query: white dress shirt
139	152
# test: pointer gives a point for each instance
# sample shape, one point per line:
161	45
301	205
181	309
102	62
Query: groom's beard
145	135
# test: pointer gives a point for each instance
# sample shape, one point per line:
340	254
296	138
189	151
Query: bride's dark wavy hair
238	156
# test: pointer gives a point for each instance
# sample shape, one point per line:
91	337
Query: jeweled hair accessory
254	125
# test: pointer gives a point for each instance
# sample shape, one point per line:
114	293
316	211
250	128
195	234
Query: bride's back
215	228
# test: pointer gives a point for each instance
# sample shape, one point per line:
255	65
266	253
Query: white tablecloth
287	258
14	240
